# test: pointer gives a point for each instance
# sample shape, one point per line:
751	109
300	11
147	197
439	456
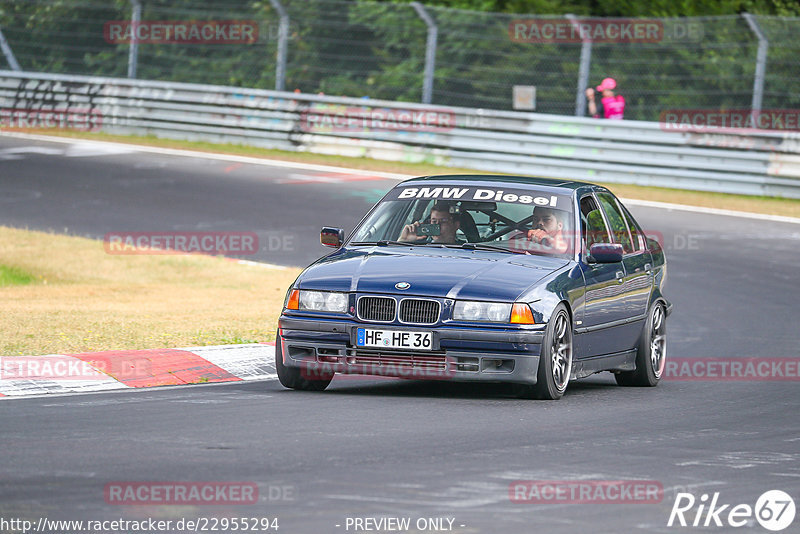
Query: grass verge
753	204
80	299
14	276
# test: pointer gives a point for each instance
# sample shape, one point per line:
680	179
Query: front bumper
322	346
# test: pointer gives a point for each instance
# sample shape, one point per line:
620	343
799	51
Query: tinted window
593	226
636	235
619	229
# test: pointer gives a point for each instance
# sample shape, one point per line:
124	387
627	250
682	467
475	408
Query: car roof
493	179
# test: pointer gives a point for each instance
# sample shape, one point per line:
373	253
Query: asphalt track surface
374	448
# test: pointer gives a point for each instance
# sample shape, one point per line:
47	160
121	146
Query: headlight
493	312
327	301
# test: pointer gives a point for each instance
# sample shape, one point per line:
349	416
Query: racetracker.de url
144	526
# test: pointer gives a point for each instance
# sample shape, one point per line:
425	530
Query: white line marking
17	152
133	391
211	155
33	150
295	178
26	388
259	264
711	211
95	148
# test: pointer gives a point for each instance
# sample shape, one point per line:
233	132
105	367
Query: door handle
648	268
620	276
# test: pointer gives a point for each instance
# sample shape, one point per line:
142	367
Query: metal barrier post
133	51
761	66
12	61
583	70
430	52
283	38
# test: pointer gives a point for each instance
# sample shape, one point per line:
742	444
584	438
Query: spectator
611	106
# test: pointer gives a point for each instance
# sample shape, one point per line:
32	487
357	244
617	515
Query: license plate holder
379	338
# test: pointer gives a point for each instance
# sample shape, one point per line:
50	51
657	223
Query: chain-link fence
385	50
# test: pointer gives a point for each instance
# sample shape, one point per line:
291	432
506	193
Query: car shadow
371	386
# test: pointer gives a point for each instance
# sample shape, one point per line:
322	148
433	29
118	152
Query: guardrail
637	152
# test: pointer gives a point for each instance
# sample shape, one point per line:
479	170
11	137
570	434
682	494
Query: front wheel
555	360
292	377
652	353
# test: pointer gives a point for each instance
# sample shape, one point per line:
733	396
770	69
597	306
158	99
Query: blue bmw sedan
524	280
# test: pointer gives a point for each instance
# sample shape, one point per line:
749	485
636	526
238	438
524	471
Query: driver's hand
409	232
539	236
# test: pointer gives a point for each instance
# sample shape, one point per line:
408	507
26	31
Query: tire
555	360
292	377
651	356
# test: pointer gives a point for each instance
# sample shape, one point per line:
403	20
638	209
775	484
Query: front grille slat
412	311
419	311
381	309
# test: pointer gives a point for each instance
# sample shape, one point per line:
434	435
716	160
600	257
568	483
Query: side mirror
331	237
605	253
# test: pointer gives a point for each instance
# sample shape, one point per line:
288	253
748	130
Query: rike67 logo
774	510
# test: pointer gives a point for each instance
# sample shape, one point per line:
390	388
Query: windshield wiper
385	242
484	246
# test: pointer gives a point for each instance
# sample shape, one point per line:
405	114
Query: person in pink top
611	106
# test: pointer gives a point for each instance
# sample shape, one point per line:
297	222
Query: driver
448	225
547	229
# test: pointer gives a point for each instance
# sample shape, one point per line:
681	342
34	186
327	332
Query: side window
618	227
593	227
636	235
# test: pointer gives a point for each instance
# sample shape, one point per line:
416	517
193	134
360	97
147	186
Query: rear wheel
652	353
555	360
293	377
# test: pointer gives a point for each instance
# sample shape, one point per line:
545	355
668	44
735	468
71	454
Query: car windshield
516	220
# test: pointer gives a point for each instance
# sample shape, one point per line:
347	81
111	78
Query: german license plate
394	339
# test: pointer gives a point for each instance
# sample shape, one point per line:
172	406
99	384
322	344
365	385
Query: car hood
439	272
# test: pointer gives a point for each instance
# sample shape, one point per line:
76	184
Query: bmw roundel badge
402	286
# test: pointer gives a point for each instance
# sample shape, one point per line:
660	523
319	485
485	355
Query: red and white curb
112	370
